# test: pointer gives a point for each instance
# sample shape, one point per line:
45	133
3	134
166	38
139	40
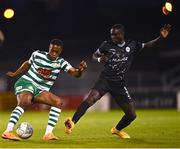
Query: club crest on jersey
127	49
30	87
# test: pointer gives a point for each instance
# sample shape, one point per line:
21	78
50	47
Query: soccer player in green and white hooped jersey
41	70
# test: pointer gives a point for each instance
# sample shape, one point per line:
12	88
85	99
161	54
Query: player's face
54	51
117	35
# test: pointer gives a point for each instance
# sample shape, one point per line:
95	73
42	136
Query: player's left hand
82	66
11	74
164	31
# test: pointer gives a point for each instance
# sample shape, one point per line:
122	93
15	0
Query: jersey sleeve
138	46
102	48
65	66
32	57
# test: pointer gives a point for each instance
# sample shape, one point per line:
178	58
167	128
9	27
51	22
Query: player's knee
91	101
93	97
24	103
59	103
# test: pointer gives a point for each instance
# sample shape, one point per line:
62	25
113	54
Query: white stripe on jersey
63	64
42	61
67	68
42	55
34	69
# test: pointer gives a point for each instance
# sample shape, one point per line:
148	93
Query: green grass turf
152	128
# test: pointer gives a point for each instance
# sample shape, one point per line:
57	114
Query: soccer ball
24	130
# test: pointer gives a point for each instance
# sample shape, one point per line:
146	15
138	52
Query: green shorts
23	85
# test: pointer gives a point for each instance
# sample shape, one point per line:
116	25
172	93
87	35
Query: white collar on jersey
121	45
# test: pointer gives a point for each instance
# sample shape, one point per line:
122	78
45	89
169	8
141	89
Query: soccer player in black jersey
117	56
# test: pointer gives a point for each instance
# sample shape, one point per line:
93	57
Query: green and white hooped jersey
43	71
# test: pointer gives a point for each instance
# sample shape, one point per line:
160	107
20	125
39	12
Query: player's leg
55	102
91	99
100	88
24	91
130	115
23	101
124	100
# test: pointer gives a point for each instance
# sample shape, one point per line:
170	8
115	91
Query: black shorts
117	89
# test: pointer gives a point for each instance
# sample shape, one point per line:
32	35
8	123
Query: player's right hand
10	74
103	59
82	66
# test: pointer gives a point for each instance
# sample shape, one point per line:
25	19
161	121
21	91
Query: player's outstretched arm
77	72
1	38
24	67
164	32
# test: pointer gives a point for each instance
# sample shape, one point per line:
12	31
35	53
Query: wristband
99	58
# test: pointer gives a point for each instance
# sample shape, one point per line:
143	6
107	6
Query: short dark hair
119	26
57	42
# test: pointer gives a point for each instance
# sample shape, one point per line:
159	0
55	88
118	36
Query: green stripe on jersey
37	82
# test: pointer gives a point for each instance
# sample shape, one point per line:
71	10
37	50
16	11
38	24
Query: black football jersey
120	57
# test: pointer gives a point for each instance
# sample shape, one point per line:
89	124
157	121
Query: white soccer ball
24	130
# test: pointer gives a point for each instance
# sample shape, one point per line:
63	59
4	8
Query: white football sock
15	115
53	118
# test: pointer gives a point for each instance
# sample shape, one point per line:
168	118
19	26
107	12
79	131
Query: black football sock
80	111
124	122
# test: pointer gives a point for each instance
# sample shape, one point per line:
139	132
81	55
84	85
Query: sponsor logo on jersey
44	72
31	88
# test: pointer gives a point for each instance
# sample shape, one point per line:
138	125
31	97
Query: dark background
83	25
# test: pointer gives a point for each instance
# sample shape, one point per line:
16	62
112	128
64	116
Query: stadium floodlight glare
9	13
168	6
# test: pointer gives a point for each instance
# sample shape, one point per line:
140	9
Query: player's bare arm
1	38
77	72
164	32
24	67
101	58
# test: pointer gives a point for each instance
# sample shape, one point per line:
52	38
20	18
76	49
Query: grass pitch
152	128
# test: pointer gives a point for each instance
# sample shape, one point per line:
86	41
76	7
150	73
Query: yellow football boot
121	134
10	136
50	136
69	124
